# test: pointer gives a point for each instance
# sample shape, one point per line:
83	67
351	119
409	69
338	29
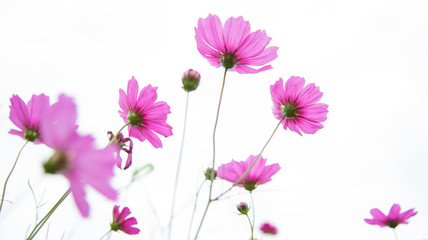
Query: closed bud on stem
210	174
190	79
243	208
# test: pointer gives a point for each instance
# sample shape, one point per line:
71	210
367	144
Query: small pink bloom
27	117
120	222
298	105
393	219
144	114
232	45
259	174
267	228
75	156
120	144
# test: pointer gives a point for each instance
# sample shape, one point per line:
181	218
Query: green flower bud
210	174
243	208
190	80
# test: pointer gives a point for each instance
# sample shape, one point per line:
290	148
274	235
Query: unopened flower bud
210	174
243	208
190	80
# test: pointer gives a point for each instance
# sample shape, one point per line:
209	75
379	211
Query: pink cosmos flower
259	174
27	116
120	222
120	144
393	219
144	115
297	104
75	156
232	45
268	228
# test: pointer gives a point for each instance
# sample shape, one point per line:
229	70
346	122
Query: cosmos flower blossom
393	219
27	117
120	222
120	143
233	46
298	105
144	115
75	156
259	174
268	228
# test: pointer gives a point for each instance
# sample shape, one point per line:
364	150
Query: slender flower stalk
395	234
178	169
10	173
117	134
251	226
213	165
42	222
194	209
254	215
106	234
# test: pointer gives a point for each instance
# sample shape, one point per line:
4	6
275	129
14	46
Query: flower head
120	144
144	115
27	117
243	208
298	105
75	156
120	222
191	79
268	228
232	45
393	219
259	174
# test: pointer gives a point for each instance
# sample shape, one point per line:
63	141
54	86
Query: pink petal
209	30
132	92
394	213
234	32
378	215
125	213
37	106
293	87
268	55
246	69
19	112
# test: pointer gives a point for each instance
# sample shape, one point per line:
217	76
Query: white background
368	57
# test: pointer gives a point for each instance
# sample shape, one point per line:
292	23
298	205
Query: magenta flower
232	45
27	116
120	222
259	174
120	144
393	219
75	156
144	115
297	105
268	228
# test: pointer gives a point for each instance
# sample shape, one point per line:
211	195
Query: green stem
107	233
254	214
395	234
252	165
10	173
178	169
115	136
48	215
213	166
194	209
251	226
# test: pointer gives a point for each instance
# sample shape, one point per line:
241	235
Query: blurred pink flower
393	219
267	228
120	222
232	45
120	144
259	174
145	116
298	105
75	156
27	116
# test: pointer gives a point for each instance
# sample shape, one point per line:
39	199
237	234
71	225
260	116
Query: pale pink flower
76	156
232	45
120	222
297	104
27	117
120	144
268	228
259	174
144	114
393	219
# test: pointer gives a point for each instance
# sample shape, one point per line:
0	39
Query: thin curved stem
48	215
115	136
252	165
107	233
251	226
213	165
194	209
178	170
10	173
395	234
254	214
